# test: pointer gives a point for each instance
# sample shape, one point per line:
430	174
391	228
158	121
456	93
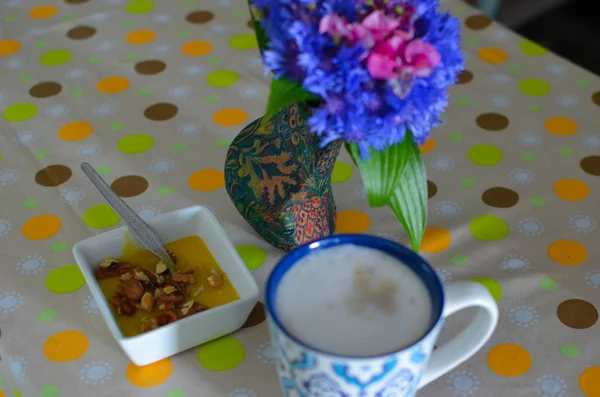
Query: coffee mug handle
459	296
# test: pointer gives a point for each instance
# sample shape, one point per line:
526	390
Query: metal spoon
136	225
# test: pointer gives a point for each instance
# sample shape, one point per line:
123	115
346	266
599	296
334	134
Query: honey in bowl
143	295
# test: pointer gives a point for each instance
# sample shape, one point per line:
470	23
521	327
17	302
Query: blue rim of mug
423	270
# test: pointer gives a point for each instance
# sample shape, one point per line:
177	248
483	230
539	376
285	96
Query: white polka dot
5	227
160	166
442	163
161	48
31	264
523	316
76	74
193	70
14	63
105	46
18	367
190	129
361	191
515	263
501	35
251	91
104	109
147	212
444	275
8	177
593	278
529	139
556	69
3	96
96	373
241	393
591	141
100	17
225	3
26	138
267	353
568	101
501	78
521	177
162	18
10	302
57	111
256	62
89	150
500	101
551	386
180	92
583	223
448	209
531	227
73	195
13	4
463	383
220	29
90	305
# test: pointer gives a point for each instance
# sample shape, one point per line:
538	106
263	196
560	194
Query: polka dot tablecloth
152	92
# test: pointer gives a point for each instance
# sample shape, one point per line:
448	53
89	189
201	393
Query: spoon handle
136	225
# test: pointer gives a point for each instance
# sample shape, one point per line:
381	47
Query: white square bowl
190	331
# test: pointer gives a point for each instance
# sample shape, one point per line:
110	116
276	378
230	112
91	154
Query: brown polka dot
76	1
591	165
200	17
478	22
257	316
45	89
431	189
150	67
577	313
250	24
53	175
596	98
465	77
81	32
492	121
160	111
130	185
500	197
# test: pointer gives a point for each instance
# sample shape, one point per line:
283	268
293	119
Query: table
151	94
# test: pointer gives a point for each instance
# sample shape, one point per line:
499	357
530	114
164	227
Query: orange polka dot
493	55
562	126
149	375
207	180
567	252
2	393
351	221
435	239
75	131
509	360
142	36
229	117
589	382
65	346
43	12
41	227
113	85
9	47
428	145
571	189
196	48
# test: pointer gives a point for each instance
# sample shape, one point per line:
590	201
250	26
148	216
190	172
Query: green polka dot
59	246
532	49
17	394
472	40
104	169
548	284
214	59
341	172
136	143
468	182
116	125
143	91
65	280
464	101
566	152
165	190
184	34
488	228
457	137
486	155
211	99
26	77
492	286
139	6
175	393
514	67
244	41
20	112
222	142
41	44
528	156
100	216
583	82
180	147
94	60
221	354
459	260
42	154
226	231
570	351
50	390
76	93
55	57
534	87
10	18
460	9
29	203
535	108
222	78
253	256
240	13
189	3
46	315
130	57
127	23
538	201
68	17
1	381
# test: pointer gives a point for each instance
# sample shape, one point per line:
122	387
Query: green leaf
409	198
381	171
283	94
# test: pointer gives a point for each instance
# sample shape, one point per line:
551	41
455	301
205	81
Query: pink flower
379	24
358	33
333	25
422	57
381	61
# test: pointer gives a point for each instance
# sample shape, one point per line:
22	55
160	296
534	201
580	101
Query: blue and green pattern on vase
279	179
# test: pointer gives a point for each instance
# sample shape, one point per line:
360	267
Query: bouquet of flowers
375	74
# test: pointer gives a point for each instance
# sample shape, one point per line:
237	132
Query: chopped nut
124	307
169	289
116	270
139	275
161	279
161	307
185	276
215	280
161	267
148	324
147	302
131	289
173	256
196	308
199	290
127	276
108	262
185	308
157	292
169	299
